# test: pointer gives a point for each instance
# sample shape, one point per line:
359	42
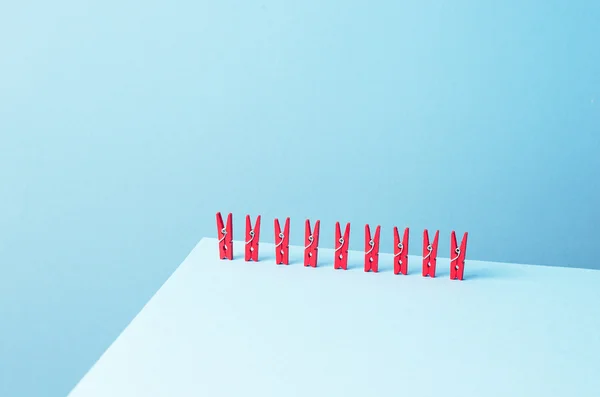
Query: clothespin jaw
372	249
340	261
430	254
311	244
400	252
457	256
282	242
252	239
225	233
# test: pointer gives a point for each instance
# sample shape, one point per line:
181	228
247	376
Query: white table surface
234	328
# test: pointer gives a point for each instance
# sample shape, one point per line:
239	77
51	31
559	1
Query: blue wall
125	127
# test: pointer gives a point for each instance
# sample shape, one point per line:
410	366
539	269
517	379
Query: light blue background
126	125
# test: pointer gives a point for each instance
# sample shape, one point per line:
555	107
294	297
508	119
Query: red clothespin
282	242
372	249
252	239
429	254
311	244
457	256
225	234
340	260
400	252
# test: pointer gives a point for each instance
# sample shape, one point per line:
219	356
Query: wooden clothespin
225	233
400	252
311	244
372	249
457	256
282	242
252	239
340	260
430	254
